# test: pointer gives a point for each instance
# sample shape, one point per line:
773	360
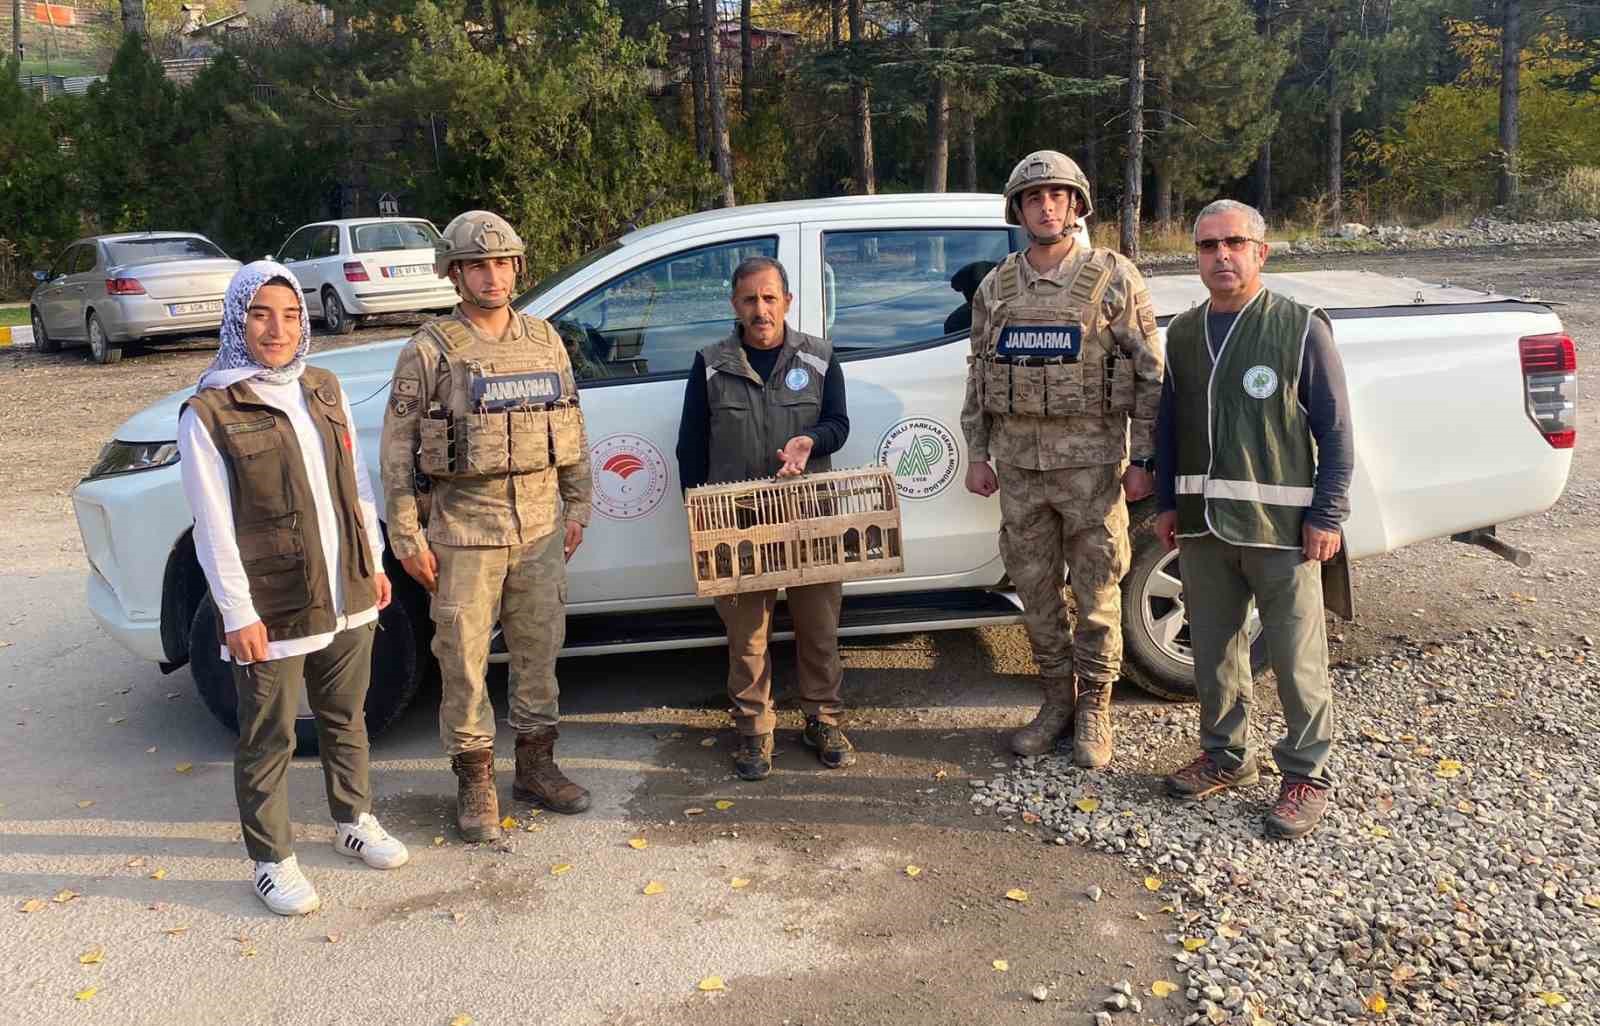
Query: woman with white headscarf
286	530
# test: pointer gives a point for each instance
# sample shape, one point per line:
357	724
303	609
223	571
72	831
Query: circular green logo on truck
923	456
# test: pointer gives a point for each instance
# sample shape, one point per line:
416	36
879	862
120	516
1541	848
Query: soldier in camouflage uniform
1064	355
484	403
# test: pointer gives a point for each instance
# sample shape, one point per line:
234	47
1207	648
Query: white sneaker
285	889
366	840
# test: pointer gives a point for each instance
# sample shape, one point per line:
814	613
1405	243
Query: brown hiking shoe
834	750
1298	810
477	805
540	780
1091	727
1204	777
752	760
1053	719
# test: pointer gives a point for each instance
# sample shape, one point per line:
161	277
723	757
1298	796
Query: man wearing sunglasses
1254	455
1065	368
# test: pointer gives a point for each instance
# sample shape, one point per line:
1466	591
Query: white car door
52	299
893	298
292	254
633	338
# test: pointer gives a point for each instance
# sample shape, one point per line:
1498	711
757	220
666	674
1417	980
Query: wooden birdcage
838	525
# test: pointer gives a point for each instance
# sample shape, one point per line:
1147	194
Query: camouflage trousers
525	588
1073	521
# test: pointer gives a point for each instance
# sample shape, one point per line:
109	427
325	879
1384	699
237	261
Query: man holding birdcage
769	400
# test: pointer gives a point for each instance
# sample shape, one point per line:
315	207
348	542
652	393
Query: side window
86	259
653	319
295	248
325	242
900	286
64	262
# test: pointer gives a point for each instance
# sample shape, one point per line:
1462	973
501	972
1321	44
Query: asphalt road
112	775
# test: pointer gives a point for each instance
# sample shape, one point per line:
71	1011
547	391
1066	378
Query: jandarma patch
1260	381
1051	341
508	391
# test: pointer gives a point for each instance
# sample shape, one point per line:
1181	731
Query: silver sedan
110	290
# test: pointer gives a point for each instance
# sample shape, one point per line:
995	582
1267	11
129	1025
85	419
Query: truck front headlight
126	457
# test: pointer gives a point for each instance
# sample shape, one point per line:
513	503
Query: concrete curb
16	337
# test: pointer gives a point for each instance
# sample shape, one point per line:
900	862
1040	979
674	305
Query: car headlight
126	457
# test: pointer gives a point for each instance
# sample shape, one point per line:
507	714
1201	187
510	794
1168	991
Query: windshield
376	238
551	281
156	251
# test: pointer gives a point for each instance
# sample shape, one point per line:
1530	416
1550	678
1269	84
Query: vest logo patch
1051	341
1260	381
797	378
496	392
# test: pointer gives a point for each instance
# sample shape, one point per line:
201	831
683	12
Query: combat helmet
476	235
1045	167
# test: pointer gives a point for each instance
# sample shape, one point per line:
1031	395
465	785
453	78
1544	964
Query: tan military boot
477	805
1051	721
1091	740
540	780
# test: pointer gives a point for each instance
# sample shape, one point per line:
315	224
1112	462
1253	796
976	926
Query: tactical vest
1053	356
516	414
1246	471
274	512
750	419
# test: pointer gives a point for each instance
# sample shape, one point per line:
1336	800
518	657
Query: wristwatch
1146	464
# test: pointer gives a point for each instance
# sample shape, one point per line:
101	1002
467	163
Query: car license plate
180	309
410	270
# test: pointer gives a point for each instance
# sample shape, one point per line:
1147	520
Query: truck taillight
124	287
1550	376
355	270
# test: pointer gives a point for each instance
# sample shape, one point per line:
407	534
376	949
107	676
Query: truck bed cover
1330	290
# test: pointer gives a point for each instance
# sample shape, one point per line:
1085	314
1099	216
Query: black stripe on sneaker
265	886
354	843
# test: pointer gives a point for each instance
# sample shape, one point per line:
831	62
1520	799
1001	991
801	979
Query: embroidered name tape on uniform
508	391
1045	340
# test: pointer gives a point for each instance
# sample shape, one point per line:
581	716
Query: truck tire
396	674
1155	628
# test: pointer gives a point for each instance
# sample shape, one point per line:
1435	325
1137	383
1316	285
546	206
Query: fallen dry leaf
939	774
1381	831
508	824
1403	972
1001	965
64	896
1591	900
1086	804
249	952
184	767
559	868
708	742
697	811
135	862
1229	932
1377	1004
437	841
160	874
1448	769
94	956
86	803
1017	894
724	805
913	870
332	938
461	1020
1030	817
638	843
711	983
1163	988
1152	883
175	931
1552	999
1193	944
86	993
739	883
654	887
31	905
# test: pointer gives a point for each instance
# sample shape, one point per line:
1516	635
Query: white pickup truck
1463	413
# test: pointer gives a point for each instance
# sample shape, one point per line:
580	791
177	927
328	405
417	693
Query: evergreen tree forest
578	119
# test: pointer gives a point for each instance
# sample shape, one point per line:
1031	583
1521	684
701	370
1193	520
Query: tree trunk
697	81
1335	147
1263	176
937	178
497	13
969	150
835	18
1510	100
1091	153
1163	162
133	17
1133	169
16	30
722	153
866	182
747	61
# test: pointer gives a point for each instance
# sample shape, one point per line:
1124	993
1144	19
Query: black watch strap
1147	464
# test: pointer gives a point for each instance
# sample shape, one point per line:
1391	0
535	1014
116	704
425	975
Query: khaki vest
1054	356
274	513
1246	471
517	414
752	420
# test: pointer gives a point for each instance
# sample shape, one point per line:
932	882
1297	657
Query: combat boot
477	805
1091	740
1052	720
540	780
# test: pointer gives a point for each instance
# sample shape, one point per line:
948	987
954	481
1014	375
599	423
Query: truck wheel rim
1165	615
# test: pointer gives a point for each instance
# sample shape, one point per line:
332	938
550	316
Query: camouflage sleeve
1133	324
975	422
575	482
397	452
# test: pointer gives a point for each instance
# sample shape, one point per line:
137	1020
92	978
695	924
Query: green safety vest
1246	470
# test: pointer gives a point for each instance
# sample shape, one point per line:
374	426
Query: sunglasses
1234	244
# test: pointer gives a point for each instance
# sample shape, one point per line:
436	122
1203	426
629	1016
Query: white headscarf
234	362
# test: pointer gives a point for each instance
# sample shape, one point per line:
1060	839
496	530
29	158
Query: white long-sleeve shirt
205	483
